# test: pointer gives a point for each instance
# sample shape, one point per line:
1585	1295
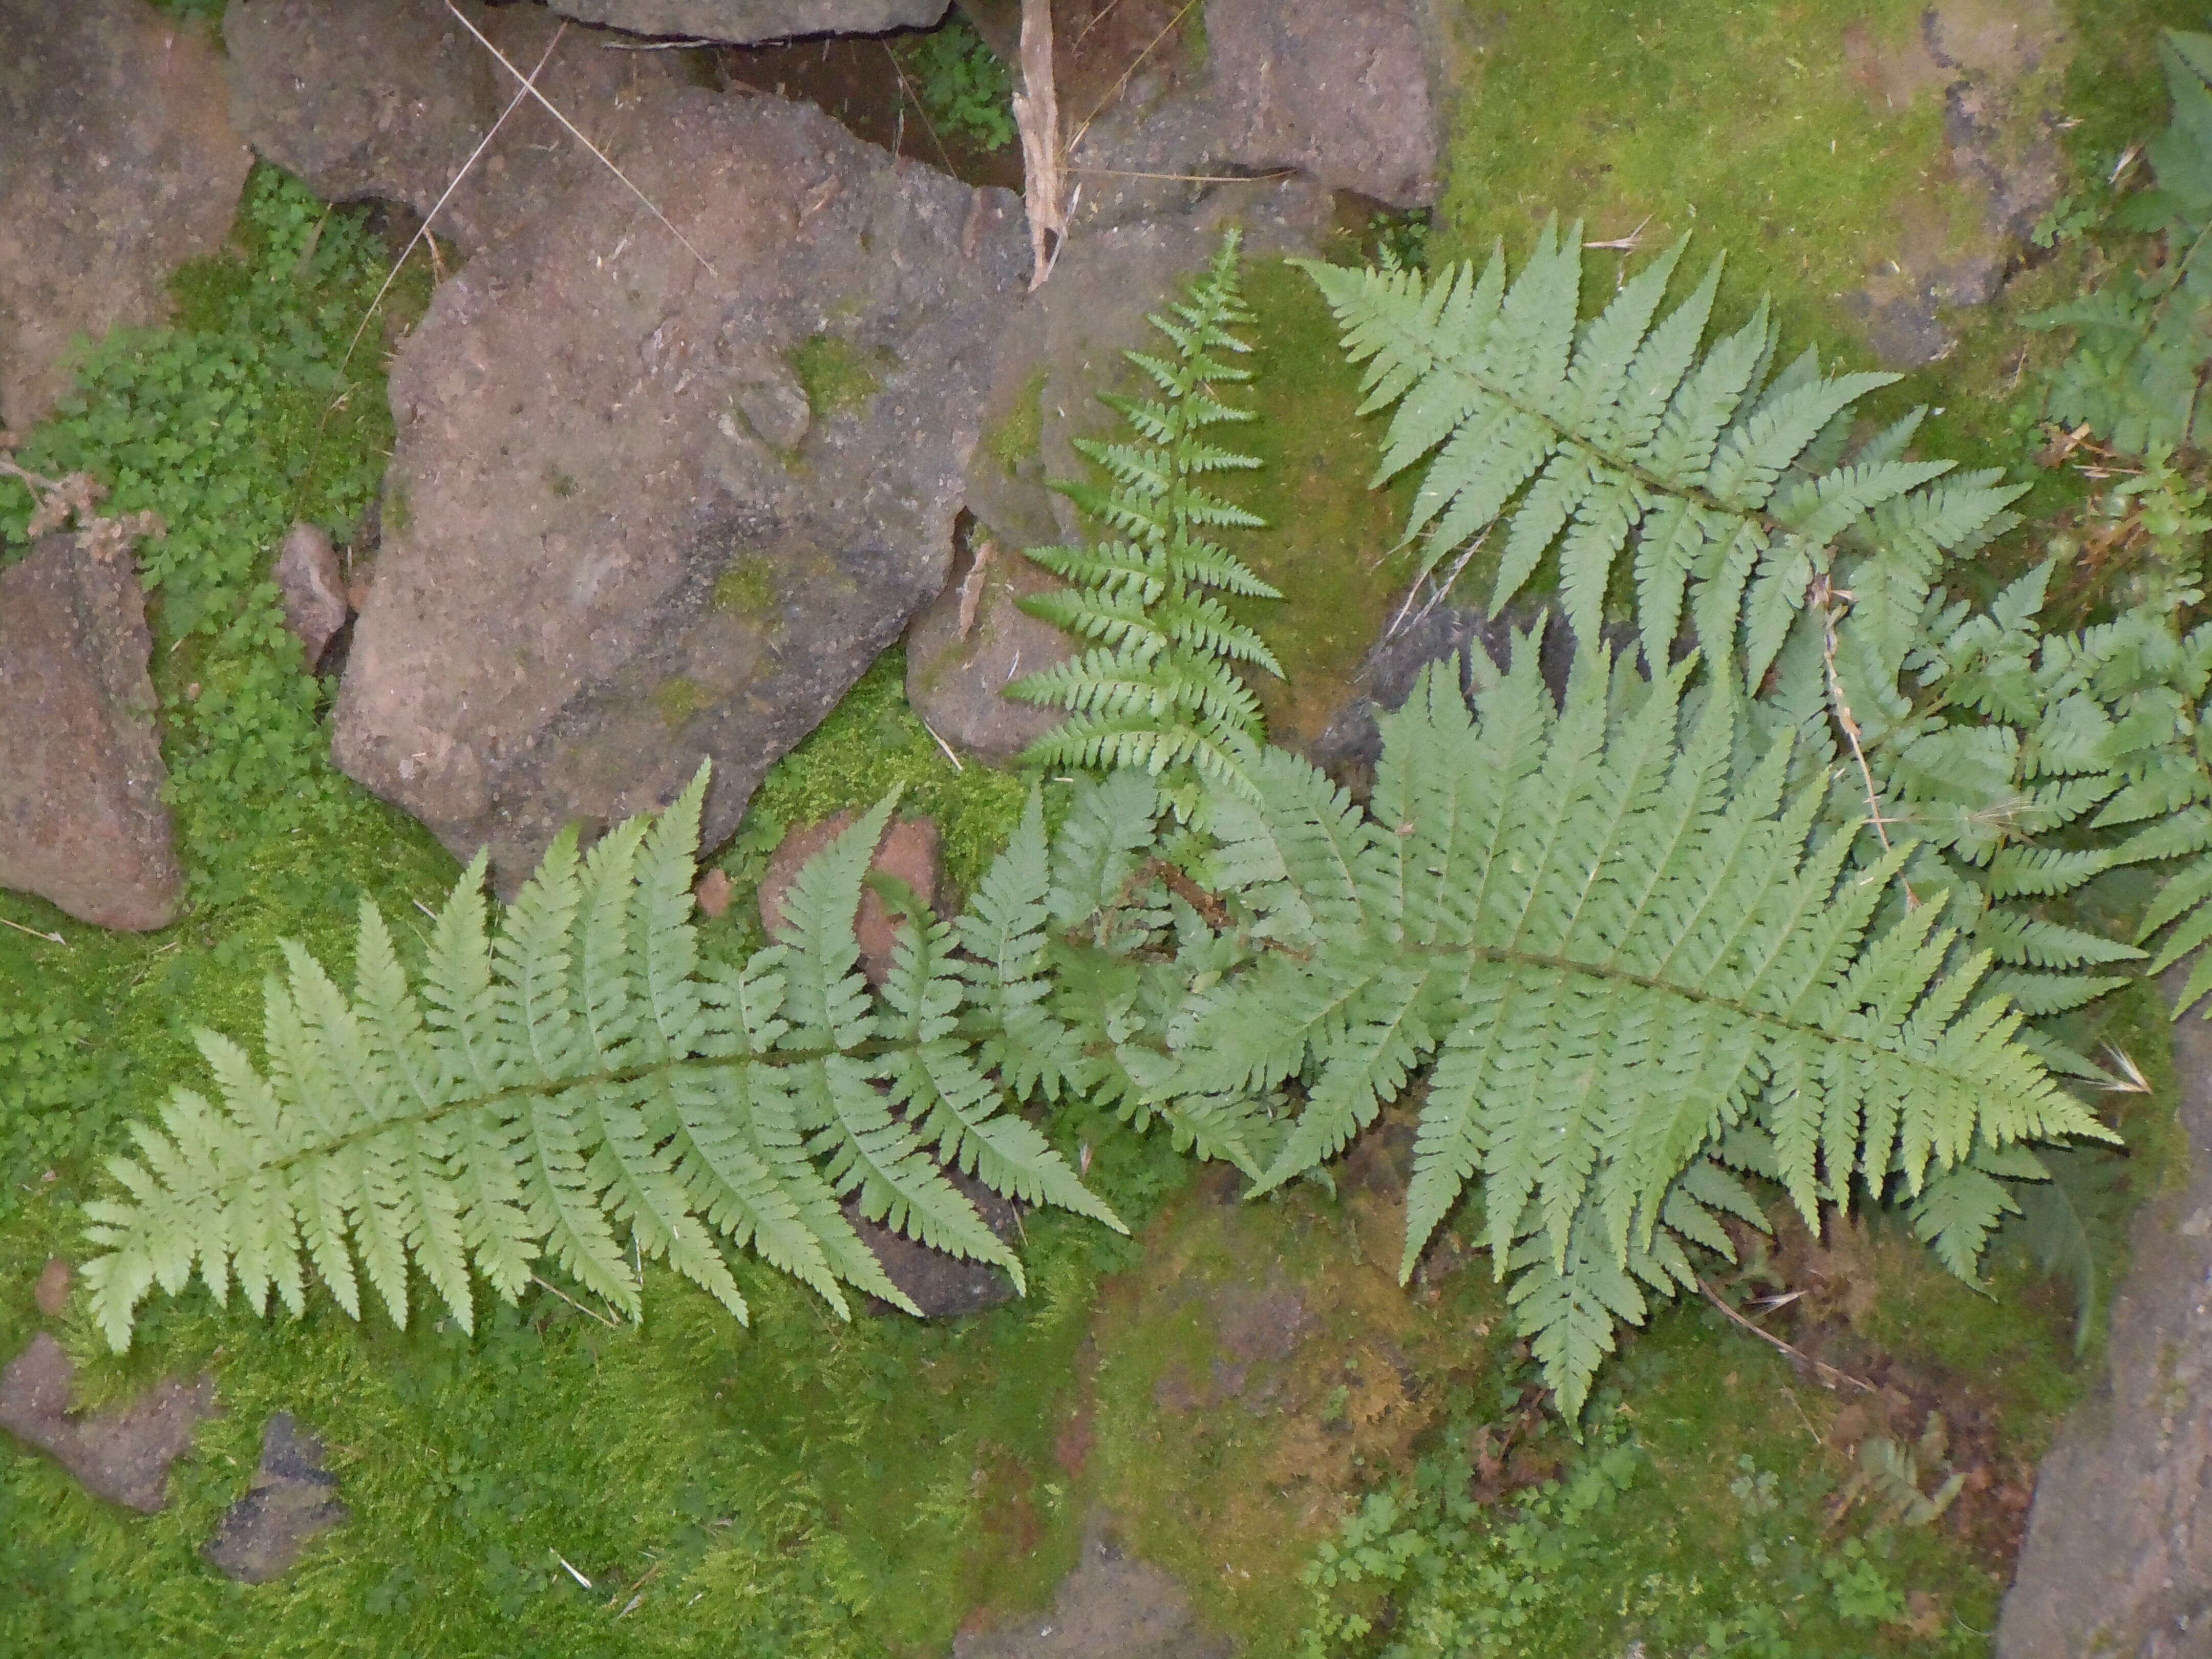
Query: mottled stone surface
82	822
388	98
291	1498
597	567
116	164
1345	95
744	22
972	642
2118	1556
1113	1606
121	1453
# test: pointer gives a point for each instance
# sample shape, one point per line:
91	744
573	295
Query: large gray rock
82	822
117	165
640	512
2118	1555
1347	96
388	98
746	22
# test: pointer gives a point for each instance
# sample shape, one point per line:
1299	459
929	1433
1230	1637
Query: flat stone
1113	1606
313	587
940	1285
82	822
388	99
748	22
291	1499
121	1453
2118	1554
595	569
971	642
117	165
51	1294
1345	96
907	852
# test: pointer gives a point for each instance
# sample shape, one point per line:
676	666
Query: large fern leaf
571	1086
1616	968
1614	437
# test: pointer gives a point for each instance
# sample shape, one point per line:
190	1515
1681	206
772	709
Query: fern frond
1615	437
1610	959
572	1072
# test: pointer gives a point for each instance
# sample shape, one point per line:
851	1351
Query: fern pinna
1631	983
580	1071
1732	488
1159	688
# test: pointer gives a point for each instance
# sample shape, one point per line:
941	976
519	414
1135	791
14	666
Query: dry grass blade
423	229
1827	1373
577	133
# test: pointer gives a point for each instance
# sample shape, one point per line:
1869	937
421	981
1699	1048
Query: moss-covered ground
1233	1379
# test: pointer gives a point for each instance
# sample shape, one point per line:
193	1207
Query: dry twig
1828	1374
1036	118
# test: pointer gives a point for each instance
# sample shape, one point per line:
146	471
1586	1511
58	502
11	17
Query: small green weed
965	90
238	419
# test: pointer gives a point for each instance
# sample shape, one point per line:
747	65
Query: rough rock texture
312	586
943	1286
291	1499
1063	346
2118	1556
744	22
972	642
116	166
1113	1606
908	851
82	822
122	1454
1953	246
388	98
596	564
1343	95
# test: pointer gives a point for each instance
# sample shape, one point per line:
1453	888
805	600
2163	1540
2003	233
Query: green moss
871	741
398	512
560	482
747	589
1329	534
835	374
1020	436
679	698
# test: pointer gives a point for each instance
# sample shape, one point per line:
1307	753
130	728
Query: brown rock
117	165
957	676
307	575
713	893
82	822
52	1291
908	851
121	1453
1113	1606
291	1498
